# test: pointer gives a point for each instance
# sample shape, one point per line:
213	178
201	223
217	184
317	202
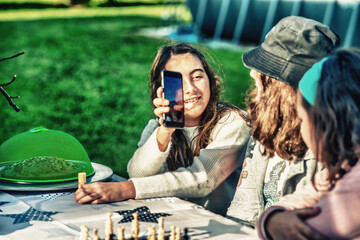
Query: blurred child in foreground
329	106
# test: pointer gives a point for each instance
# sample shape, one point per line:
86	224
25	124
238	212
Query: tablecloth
56	215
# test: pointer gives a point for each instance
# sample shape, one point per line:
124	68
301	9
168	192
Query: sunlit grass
85	72
37	1
32	14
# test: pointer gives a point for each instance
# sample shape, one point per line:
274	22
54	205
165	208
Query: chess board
56	215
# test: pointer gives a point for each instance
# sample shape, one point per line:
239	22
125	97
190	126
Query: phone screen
173	91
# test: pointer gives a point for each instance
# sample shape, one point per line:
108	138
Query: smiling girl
199	162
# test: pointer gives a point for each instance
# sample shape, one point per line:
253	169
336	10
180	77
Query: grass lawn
87	76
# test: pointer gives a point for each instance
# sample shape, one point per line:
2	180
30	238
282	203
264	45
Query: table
56	215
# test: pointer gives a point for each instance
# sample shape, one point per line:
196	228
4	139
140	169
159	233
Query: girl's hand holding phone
161	105
163	135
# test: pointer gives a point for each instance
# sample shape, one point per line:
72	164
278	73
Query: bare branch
5	84
12	56
8	98
2	90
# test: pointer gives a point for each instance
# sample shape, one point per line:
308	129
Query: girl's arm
155	143
148	159
283	225
213	165
339	217
306	196
336	218
284	221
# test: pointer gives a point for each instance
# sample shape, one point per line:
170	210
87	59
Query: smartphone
173	91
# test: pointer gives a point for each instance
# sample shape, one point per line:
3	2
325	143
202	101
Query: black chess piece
186	236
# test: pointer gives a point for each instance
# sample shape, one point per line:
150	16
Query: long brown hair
335	117
181	149
273	119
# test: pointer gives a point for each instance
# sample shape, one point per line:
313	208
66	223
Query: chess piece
135	226
81	179
96	236
186	235
178	234
161	222
108	227
110	224
151	233
161	227
121	233
172	233
84	232
161	234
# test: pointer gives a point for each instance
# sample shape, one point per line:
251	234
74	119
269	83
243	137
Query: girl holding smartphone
200	162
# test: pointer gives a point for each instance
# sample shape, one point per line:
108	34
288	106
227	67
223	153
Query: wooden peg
84	232
121	233
172	233
178	234
96	236
151	233
135	226
81	179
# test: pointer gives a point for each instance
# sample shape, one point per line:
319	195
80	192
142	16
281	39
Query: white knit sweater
223	155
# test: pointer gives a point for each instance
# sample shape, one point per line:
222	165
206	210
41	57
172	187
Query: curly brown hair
273	119
181	154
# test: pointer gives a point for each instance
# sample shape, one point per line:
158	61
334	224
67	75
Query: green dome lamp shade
43	155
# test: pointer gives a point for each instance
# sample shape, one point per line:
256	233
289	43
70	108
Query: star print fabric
56	216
